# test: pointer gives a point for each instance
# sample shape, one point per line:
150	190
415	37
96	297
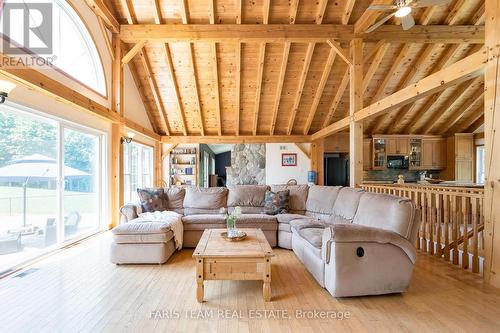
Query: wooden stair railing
452	219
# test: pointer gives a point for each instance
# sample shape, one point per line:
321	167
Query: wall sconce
5	89
128	138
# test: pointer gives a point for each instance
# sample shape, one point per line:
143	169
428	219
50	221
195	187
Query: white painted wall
275	173
134	108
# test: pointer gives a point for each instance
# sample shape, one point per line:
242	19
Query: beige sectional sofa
353	242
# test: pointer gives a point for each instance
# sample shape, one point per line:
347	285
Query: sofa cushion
347	202
300	224
321	199
199	200
142	232
174	197
204	219
286	218
152	199
255	218
313	236
335	219
298	196
277	202
386	212
248	210
246	195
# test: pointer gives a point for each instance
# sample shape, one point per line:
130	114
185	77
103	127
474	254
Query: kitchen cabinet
460	161
397	146
367	154
379	154
415	154
433	154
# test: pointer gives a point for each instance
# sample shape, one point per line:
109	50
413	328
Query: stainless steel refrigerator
336	167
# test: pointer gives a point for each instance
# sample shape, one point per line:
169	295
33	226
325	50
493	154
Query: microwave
397	162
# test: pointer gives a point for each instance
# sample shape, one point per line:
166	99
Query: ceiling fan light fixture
403	11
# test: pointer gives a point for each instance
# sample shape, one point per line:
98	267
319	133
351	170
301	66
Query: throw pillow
152	199
277	202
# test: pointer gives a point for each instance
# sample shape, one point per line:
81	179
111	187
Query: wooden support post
116	173
158	162
317	154
117	76
492	143
356	104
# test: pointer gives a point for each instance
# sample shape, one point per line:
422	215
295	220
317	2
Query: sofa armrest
129	212
355	233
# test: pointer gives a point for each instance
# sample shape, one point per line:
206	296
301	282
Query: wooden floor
79	290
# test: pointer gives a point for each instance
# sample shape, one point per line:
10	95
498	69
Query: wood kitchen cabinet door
427	152
391	146
367	154
402	146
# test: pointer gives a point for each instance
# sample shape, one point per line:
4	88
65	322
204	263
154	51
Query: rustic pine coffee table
220	259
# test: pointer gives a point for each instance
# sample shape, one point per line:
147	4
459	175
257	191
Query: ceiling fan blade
428	3
380	22
407	22
383	7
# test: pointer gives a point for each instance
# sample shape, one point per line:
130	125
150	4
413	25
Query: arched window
73	48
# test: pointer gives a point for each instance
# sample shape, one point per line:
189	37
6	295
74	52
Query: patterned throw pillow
277	202
152	199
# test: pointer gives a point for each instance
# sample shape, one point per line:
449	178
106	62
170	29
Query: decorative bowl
240	235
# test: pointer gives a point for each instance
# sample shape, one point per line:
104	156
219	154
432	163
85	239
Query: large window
50	184
73	49
137	169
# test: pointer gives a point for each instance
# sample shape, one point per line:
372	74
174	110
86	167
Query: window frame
140	168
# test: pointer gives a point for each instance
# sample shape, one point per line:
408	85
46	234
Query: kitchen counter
425	183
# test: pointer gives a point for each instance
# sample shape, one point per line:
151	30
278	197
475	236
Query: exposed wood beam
132	52
284	61
356	93
260	70
305	67
299	33
344	54
300	87
237	139
192	63
474	117
171	72
343	86
346	15
466	106
129	13
117	77
169	150
319	90
37	81
461	71
477	124
238	72
103	12
450	103
154	91
337	98
369	16
479	15
215	69
377	59
453	16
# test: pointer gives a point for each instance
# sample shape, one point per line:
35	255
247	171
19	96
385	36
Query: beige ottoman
142	243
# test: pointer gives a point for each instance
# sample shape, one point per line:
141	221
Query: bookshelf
183	167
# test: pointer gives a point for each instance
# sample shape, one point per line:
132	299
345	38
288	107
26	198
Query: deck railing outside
452	220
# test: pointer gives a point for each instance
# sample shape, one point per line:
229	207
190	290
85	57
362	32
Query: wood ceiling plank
238	71
377	59
369	16
467	105
215	69
474	127
337	98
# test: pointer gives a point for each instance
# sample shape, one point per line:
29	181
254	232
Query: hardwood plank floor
79	290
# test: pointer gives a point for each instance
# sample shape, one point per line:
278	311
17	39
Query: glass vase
231	226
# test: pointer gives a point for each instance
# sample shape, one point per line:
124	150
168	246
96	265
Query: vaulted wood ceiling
257	88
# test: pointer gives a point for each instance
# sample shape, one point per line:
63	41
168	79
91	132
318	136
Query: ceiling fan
402	10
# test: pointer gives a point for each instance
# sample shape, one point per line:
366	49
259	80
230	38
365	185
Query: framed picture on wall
288	159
